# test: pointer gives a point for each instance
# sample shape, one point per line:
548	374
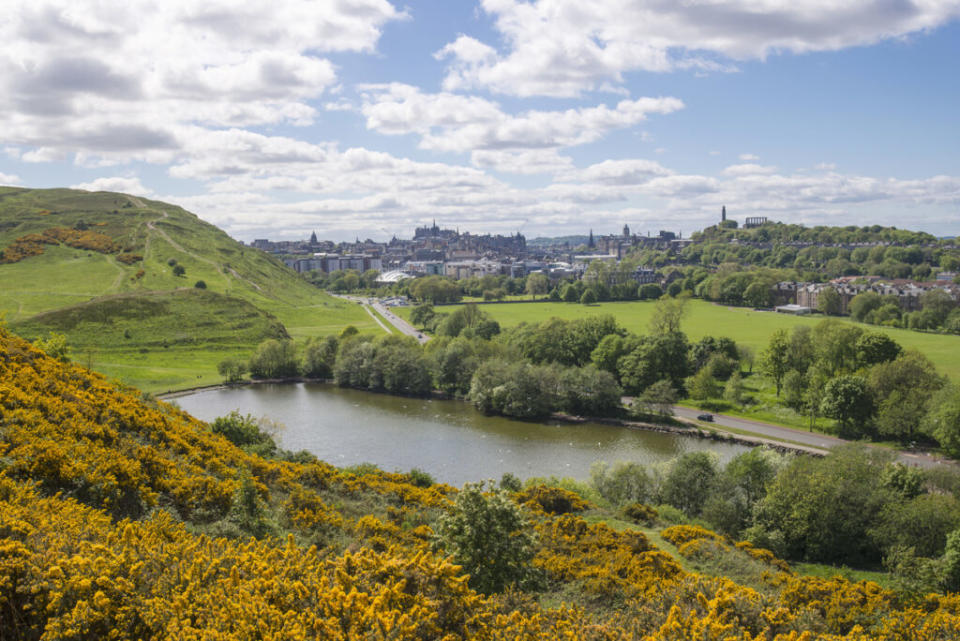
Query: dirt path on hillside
203	259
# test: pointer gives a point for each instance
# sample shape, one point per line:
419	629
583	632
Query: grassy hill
126	519
62	247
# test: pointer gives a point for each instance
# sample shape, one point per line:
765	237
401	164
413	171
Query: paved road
808	439
398	322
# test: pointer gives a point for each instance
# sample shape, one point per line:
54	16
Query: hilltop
89	255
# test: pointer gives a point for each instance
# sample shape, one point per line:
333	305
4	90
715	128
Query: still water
448	439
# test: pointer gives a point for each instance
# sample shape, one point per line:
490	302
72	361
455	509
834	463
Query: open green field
164	236
745	326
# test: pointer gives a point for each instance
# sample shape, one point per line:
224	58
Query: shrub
489	535
552	500
640	513
200	285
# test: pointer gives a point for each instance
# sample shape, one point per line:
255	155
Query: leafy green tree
794	386
588	391
179	270
689	481
200	284
902	389
942	421
608	352
938	303
848	399
455	367
421	315
513	389
821	509
667	315
589	297
703	385
537	284
775	359
625	482
490	536
835	345
232	369
862	304
950	563
274	359
876	347
319	357
659	398
829	302
655	358
922	522
733	390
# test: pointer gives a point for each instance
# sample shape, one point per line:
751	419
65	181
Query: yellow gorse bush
101	494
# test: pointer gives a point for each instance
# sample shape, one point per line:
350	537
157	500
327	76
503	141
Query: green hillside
60	248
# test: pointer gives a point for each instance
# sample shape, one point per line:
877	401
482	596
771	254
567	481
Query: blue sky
366	117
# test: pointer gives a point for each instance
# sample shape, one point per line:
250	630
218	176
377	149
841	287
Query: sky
368	118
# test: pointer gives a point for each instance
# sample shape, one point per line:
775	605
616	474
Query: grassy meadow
173	341
745	326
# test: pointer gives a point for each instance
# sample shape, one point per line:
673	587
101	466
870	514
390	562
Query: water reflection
448	439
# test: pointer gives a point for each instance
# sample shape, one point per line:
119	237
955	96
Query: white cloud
9	179
452	122
749	157
126	185
123	78
565	47
748	169
537	161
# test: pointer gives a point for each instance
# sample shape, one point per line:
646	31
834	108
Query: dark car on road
705	417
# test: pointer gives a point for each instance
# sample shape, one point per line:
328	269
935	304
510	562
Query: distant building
754	221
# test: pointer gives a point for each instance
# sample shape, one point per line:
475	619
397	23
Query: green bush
489	535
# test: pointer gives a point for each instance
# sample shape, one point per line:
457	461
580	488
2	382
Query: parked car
706	417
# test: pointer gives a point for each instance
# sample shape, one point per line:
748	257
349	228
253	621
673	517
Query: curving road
811	440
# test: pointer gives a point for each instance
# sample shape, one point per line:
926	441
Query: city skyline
370	117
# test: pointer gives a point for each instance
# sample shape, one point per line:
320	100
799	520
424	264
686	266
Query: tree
938	303
862	304
689	481
274	359
703	385
829	302
659	398
794	386
200	284
489	535
588	298
821	509
537	284
942	421
902	389
775	359
421	315
232	369
625	482
667	315
179	270
319	357
733	390
876	347
655	358
848	399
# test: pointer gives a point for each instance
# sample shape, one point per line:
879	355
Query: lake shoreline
692	431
